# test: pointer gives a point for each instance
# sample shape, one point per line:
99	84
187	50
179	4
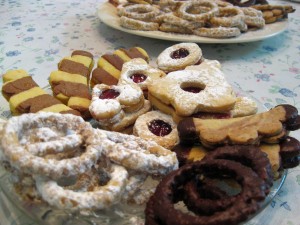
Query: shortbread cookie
25	96
192	91
83	57
110	103
70	84
109	66
158	127
242	130
138	71
179	56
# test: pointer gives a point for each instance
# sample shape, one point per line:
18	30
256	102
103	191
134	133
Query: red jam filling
192	89
180	53
138	78
109	94
159	128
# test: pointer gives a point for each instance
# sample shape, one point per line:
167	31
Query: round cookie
158	127
179	56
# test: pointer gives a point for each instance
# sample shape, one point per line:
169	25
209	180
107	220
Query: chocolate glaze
18	86
163	209
70	66
292	121
83	53
101	76
37	103
114	60
187	131
290	147
182	153
71	89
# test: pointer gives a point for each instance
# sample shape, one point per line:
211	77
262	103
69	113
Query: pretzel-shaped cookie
31	142
99	197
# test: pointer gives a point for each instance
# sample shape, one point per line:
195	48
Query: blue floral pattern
35	35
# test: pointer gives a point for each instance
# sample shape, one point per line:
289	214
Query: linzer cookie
158	127
25	96
192	91
138	71
110	65
116	107
242	130
70	83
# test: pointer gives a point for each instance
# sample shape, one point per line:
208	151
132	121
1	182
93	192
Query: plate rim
107	13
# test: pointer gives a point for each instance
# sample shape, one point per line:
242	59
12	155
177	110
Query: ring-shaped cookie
158	127
19	132
228	17
100	197
218	32
134	24
211	9
179	56
253	17
140	12
161	206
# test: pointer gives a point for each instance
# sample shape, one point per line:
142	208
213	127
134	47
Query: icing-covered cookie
111	104
158	127
192	91
138	71
179	56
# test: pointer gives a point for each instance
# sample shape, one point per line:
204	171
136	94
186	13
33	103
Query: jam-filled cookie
179	56
192	91
138	71
157	126
115	104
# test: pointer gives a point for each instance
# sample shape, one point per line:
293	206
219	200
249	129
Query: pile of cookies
215	19
147	121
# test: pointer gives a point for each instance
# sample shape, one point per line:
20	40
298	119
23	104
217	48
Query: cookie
70	83
25	96
138	71
158	127
109	66
242	130
193	91
116	107
179	56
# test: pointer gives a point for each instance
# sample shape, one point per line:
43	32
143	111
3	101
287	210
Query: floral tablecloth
35	35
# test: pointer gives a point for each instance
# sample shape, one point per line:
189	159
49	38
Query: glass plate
121	214
107	13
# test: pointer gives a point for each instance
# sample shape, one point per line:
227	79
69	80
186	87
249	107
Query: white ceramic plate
108	15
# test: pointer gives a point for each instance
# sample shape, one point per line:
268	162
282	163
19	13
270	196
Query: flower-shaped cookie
110	103
138	71
192	91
